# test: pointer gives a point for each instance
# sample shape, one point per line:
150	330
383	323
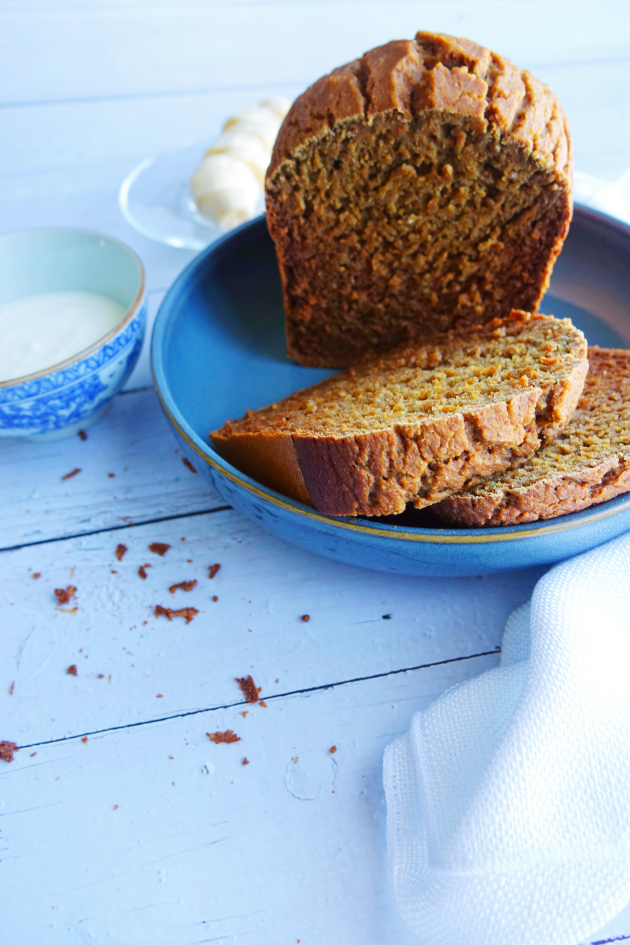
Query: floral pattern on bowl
76	395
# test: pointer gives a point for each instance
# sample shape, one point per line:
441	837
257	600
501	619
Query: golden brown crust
584	481
432	71
378	471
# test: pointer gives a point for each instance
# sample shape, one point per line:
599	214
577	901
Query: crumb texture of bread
423	186
587	464
418	423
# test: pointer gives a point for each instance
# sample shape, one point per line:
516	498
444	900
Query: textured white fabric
508	802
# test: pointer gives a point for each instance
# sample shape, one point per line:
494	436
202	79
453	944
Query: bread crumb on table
226	737
142	571
169	613
64	596
83	435
305	618
7	750
187	463
120	551
159	548
249	688
71	474
183	585
212	570
72	670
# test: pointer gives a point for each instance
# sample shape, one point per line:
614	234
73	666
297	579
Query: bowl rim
460	536
127	317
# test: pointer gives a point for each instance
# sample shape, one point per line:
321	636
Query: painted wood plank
361	623
73	135
131	471
154	835
101	50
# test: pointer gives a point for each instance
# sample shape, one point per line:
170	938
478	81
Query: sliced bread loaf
588	463
418	423
423	186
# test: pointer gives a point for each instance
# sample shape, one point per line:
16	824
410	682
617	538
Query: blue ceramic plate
218	349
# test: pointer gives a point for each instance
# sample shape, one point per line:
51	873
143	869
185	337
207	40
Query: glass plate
154	198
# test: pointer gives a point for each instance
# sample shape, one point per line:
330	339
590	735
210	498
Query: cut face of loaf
588	463
418	423
424	186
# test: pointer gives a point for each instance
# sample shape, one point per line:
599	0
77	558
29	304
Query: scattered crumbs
74	472
295	760
212	570
84	739
188	560
184	585
116	806
142	571
170	757
111	475
113	572
226	737
82	435
101	676
7	750
244	761
64	596
387	616
37	575
244	713
169	613
277	680
305	618
182	539
249	688
159	548
173	783
109	679
215	598
73	610
33	753
333	749
11	688
159	696
120	552
187	463
71	670
144	623
262	704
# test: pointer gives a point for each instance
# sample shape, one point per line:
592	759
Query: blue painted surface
218	349
53	404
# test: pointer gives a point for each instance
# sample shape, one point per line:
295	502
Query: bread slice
418	423
588	463
423	186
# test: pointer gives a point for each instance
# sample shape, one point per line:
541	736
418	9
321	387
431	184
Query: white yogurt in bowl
40	331
72	320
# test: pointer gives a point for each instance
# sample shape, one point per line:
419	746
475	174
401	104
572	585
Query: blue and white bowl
59	401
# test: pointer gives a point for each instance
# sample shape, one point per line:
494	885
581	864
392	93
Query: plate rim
462	536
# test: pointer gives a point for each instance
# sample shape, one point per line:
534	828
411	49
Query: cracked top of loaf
432	71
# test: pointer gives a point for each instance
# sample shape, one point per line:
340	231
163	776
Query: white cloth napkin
508	802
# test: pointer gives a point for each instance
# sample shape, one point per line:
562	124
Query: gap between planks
275	696
117	528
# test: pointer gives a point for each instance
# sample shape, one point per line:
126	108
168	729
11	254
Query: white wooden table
120	821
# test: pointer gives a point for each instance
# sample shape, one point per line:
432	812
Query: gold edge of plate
365	529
